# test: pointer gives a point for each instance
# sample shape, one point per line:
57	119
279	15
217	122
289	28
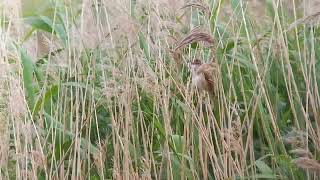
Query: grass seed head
308	164
195	36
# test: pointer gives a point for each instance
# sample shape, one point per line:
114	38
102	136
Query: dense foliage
103	97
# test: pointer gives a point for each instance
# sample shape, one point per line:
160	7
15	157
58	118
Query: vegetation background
90	90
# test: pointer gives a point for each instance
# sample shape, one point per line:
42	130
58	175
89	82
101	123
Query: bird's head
195	65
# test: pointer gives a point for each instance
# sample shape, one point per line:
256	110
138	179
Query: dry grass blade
307	19
307	163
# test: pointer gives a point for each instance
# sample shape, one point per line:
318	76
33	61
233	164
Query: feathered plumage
205	75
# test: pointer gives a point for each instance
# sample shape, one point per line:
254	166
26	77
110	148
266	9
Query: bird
204	76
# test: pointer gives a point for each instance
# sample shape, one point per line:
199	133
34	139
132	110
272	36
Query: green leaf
264	168
58	29
53	123
259	176
46	101
132	7
178	142
177	169
270	9
194	45
215	8
236	5
244	62
159	127
144	46
38	23
28	70
46	24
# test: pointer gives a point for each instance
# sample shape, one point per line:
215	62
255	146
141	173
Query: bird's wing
208	70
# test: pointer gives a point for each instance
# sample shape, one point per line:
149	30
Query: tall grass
102	90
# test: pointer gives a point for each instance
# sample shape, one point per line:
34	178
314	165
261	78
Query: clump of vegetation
102	90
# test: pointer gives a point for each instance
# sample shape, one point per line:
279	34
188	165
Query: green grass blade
28	71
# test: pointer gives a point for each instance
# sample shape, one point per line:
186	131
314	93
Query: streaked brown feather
209	71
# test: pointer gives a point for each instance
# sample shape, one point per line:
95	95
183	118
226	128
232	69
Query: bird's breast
200	82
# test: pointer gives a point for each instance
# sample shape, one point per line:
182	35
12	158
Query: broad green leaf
46	24
57	28
264	168
38	23
28	70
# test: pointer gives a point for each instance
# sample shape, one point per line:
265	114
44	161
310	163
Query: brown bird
204	75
